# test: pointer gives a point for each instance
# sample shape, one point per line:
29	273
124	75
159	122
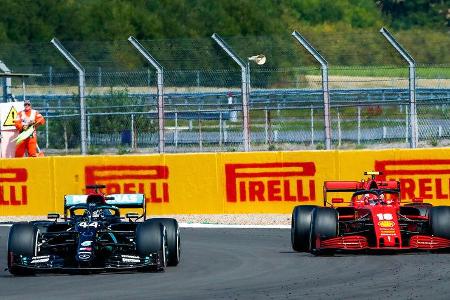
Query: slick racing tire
23	238
151	238
300	227
173	239
324	225
440	221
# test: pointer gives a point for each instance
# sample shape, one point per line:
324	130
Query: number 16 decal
383	217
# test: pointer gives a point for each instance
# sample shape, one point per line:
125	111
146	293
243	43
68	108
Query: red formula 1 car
374	219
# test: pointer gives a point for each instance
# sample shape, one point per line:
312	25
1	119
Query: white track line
201	225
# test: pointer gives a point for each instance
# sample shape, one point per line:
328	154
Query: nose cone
85	251
386	226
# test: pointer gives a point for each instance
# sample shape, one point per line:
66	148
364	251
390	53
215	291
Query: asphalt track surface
248	264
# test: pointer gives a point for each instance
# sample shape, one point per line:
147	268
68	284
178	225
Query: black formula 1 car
93	237
374	218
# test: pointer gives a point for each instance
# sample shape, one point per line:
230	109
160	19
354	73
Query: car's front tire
22	240
173	239
324	225
150	239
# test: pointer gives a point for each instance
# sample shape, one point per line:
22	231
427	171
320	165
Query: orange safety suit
23	120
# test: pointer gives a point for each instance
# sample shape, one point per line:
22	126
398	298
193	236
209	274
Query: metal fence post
220	129
339	128
326	91
6	82
160	87
412	85
133	137
81	87
359	124
225	132
50	77
266	126
406	124
175	133
99	82
46	125
89	139
312	126
245	89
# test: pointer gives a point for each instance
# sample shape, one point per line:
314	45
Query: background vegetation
344	31
23	21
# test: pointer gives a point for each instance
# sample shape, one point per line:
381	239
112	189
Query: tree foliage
344	31
31	21
403	14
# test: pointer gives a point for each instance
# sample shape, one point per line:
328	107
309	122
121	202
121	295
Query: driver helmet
370	199
388	200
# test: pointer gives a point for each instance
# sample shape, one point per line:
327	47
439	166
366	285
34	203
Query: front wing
359	242
53	263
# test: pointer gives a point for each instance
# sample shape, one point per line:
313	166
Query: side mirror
132	215
337	200
54	216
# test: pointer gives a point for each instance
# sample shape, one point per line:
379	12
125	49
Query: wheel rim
178	244
164	249
36	249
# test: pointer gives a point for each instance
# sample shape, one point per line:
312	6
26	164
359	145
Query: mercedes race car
94	237
373	219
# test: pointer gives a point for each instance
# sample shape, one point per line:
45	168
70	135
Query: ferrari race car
93	237
373	219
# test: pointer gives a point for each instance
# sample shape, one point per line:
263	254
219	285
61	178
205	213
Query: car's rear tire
151	238
22	240
300	227
173	239
440	221
324	225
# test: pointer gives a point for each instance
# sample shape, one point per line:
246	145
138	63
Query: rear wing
341	186
118	200
354	186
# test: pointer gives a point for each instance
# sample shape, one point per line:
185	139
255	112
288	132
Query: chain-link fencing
369	94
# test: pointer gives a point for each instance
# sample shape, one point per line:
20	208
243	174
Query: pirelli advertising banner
27	186
210	183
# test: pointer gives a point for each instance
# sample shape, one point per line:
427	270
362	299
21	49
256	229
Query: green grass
389	71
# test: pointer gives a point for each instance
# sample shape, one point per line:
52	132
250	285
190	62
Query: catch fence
205	94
